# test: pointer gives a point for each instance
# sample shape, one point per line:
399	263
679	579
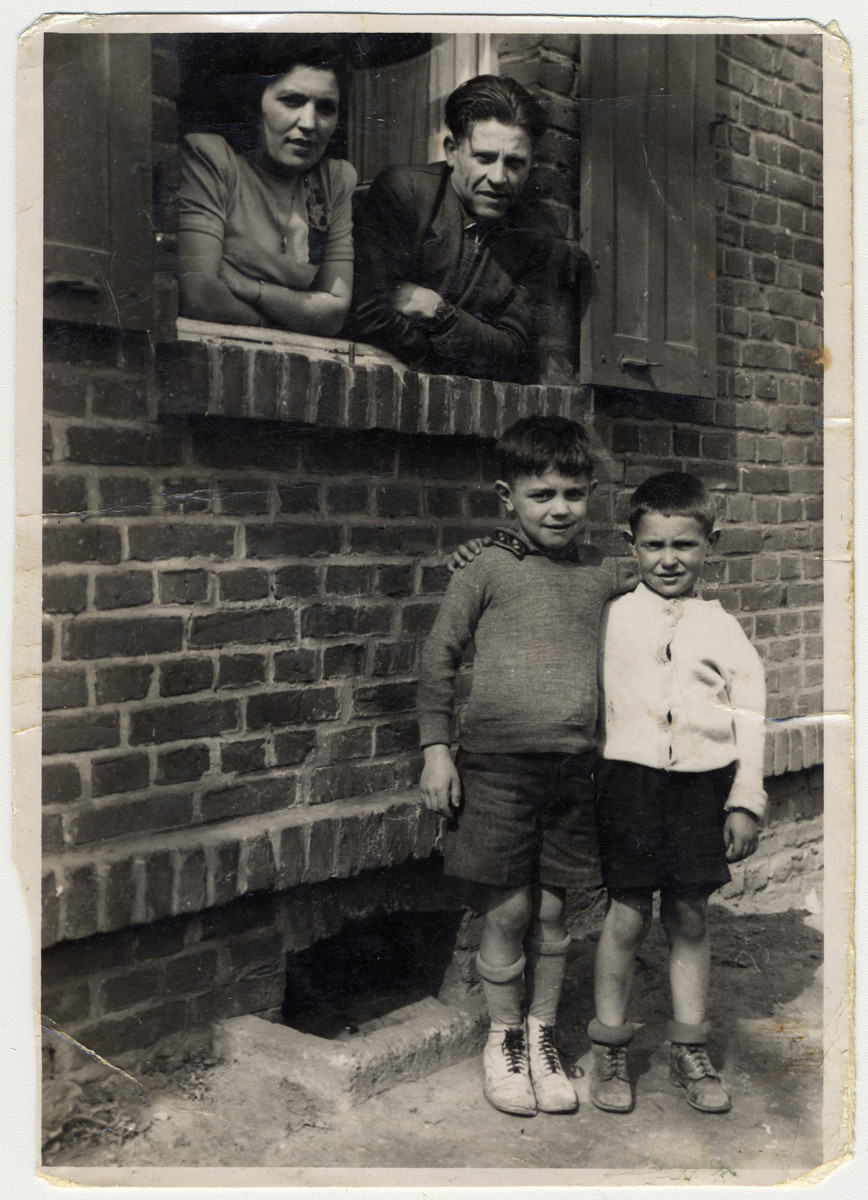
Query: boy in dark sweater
519	797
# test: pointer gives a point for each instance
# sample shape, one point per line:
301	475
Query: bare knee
628	916
684	916
548	913
509	911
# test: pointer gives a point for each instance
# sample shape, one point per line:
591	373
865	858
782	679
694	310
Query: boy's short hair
538	444
673	494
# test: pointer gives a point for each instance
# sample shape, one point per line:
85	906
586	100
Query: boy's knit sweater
535	623
683	690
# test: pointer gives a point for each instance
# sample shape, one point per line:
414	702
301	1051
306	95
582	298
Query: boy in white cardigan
680	789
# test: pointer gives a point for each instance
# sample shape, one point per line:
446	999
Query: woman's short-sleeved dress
273	227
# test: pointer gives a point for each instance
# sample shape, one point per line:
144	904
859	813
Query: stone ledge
425	1037
193	869
793	745
267	375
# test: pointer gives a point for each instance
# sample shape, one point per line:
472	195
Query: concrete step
419	1039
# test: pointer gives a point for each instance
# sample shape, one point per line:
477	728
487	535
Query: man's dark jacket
408	228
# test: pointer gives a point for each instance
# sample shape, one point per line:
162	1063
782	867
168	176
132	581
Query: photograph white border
839	876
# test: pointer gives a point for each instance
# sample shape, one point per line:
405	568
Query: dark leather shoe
610	1083
690	1068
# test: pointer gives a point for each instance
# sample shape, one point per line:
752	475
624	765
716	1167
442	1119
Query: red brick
183	675
81	892
240	758
116	684
246	584
395	539
396	737
173	722
190	885
68	1006
191	972
63	687
341	744
182	766
382	699
335	620
64	593
122	399
394	580
278	540
185	496
297	401
133	447
357	399
64	395
119	894
345	660
224	877
295	666
244	626
80	543
295	581
229	381
61	783
52	832
322	850
260	865
394	658
142	815
130	988
348	581
64	494
264	370
127	773
298	497
117	637
69	734
275	708
243	799
177	540
293	747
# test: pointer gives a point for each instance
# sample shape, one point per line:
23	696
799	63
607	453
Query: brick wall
234	607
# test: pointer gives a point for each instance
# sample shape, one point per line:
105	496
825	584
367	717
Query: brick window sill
186	870
269	375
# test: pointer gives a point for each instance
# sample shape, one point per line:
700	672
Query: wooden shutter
647	212
98	256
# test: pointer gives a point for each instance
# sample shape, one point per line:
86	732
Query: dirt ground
767	1013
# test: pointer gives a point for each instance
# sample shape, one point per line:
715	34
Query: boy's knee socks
546	963
688	1035
610	1035
504	992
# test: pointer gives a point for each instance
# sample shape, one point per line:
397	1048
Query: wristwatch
738	808
445	316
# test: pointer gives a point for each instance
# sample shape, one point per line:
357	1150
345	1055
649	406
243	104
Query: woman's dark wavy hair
494	97
319	55
538	444
673	494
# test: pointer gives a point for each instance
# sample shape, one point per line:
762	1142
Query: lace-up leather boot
610	1082
551	1085
690	1068
507	1072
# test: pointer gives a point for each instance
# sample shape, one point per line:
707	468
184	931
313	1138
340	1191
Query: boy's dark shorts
525	819
662	829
